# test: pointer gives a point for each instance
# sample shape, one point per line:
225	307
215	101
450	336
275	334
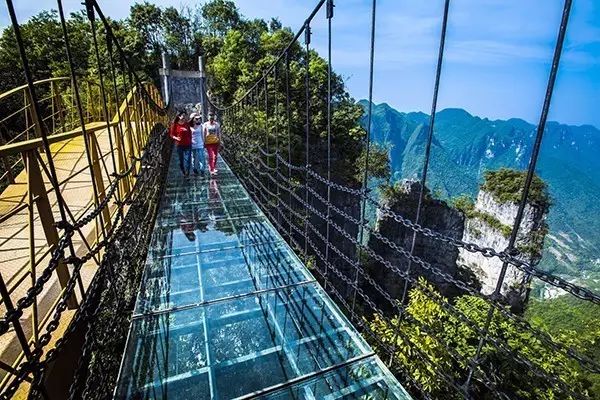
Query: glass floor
226	310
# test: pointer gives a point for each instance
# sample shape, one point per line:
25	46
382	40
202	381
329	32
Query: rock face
340	245
436	215
489	226
487	223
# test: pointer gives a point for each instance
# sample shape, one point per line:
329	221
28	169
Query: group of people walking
192	137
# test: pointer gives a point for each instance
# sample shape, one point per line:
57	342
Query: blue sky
498	52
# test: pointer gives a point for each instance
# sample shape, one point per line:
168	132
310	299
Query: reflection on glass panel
226	309
255	230
192	279
364	379
255	342
164	351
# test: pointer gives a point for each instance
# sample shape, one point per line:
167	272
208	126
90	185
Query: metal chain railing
123	242
298	199
255	166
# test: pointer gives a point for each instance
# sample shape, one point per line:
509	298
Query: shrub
506	185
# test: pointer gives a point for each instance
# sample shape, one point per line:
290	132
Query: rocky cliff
487	223
465	146
437	215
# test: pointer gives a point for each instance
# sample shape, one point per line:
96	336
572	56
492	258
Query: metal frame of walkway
227	310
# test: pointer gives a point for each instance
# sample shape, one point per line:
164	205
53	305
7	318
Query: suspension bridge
121	278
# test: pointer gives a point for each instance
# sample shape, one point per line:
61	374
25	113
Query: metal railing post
46	215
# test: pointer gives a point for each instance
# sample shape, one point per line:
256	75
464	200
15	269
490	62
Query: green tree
432	342
576	320
378	163
148	20
220	16
179	39
250	49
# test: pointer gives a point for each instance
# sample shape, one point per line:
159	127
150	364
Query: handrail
24	87
19	147
41	81
16	148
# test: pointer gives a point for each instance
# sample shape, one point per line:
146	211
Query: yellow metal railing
58	113
29	202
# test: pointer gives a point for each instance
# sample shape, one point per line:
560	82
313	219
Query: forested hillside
465	146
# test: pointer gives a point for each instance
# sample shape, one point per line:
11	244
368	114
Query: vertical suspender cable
266	89
530	172
266	127
436	87
128	65
34	103
276	129
79	109
289	134
367	148
46	145
128	89
329	15
53	177
257	109
86	139
307	134
109	42
92	19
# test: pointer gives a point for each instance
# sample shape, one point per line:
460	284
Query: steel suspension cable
423	183
307	132
80	112
130	68
367	149
109	42
109	45
284	52
266	123
92	19
53	177
329	15
530	174
34	103
289	130
81	120
276	128
35	364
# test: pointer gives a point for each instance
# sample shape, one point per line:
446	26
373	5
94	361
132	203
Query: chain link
500	345
36	365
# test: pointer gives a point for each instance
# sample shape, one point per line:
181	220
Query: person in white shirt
198	159
212	140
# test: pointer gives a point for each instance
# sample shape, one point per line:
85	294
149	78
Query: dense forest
236	50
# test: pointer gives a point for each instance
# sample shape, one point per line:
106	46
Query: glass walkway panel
226	310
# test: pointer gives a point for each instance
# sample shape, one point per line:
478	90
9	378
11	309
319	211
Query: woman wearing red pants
212	140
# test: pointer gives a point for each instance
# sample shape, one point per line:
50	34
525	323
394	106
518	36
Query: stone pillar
489	224
436	215
165	77
203	101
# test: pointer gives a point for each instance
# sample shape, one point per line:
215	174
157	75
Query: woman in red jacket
181	133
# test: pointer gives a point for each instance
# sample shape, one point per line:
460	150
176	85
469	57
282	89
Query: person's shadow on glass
187	227
213	191
186	215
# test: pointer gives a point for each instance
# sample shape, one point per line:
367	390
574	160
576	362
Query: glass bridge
226	310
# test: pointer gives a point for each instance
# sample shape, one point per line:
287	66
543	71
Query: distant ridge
466	145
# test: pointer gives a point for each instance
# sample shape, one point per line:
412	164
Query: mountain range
464	146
